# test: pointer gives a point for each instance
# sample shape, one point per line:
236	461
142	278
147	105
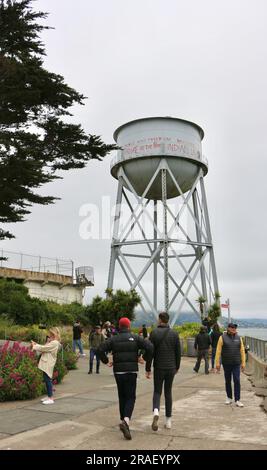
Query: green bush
70	360
13	332
60	370
17	306
116	305
20	379
188	330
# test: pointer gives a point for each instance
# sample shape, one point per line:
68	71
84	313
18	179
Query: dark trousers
202	354
213	354
91	360
126	384
165	376
48	384
229	371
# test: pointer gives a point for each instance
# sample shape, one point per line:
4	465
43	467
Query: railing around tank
257	347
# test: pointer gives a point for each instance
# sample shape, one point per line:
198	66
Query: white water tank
145	142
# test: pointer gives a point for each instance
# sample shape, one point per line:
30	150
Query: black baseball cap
232	325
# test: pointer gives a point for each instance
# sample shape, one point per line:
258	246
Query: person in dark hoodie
125	348
214	336
167	358
77	334
202	344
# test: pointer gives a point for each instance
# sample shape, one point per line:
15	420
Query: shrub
60	370
12	332
70	360
188	330
20	379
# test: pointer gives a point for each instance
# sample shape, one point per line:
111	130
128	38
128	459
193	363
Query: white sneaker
168	423
229	401
238	403
44	399
49	401
83	355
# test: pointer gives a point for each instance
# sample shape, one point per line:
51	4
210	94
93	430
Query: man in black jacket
167	357
77	333
202	344
125	348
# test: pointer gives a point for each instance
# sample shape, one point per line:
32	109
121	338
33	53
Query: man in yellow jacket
231	353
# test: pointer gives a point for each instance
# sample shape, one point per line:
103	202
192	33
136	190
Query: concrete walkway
85	416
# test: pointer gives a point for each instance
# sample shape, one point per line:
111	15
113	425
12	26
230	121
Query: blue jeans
48	384
92	355
229	371
77	342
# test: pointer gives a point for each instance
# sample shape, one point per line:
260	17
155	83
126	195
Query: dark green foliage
18	306
34	140
60	370
70	360
116	305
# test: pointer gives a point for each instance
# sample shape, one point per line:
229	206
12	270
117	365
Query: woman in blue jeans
47	361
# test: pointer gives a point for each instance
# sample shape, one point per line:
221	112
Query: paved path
85	416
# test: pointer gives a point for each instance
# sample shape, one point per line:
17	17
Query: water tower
161	238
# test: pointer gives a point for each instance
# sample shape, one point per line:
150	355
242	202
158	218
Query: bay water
259	333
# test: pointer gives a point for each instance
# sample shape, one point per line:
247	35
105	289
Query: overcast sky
202	61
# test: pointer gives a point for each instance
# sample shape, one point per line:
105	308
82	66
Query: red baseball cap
124	322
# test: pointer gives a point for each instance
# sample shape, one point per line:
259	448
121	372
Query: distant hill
149	319
190	317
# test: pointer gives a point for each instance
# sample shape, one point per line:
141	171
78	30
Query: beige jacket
48	357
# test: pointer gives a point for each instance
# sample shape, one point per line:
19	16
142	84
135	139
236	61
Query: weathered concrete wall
256	365
23	274
47	286
57	293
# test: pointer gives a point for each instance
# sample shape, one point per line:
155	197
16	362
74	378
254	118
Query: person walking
206	322
95	339
166	363
214	336
202	344
125	347
106	330
47	361
230	351
77	334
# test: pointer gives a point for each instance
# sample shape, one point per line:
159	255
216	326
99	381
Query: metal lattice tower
161	218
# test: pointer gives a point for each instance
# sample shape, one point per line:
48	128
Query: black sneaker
125	430
154	424
90	372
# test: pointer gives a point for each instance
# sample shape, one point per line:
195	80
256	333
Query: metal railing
257	347
34	263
